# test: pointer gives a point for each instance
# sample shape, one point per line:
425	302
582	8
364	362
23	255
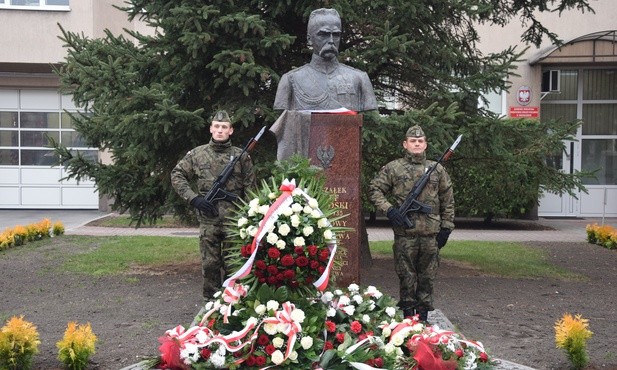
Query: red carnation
270	349
287	260
328	345
260	360
273	253
263	339
459	353
314	264
299	250
312	250
205	353
260	264
330	326
483	357
356	327
340	337
273	270
302	261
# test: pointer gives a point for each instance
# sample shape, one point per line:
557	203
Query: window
59	5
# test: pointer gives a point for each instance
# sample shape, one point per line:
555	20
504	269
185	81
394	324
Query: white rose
286	211
271	196
295	220
252	230
242	233
293	356
366	319
417	327
331	312
284	229
358	298
272	305
306	342
315	214
397	340
277	357
323	222
297	315
327	297
299	241
278	342
209	306
280	244
307	230
371	307
338	292
328	234
349	310
217	294
272	238
307	209
297	207
344	301
261	309
263	209
270	329
353	287
391	311
386	332
313	203
254	203
242	221
389	348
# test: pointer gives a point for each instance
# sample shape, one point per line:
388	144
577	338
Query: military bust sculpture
324	83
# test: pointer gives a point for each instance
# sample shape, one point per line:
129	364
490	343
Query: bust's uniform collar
324	66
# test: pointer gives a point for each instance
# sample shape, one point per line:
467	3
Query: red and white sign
524	112
523	95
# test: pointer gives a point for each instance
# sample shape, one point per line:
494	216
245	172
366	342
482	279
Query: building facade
32	109
576	81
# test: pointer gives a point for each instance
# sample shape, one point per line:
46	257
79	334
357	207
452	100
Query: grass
505	259
125	221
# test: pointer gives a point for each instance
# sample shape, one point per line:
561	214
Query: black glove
204	206
442	237
396	217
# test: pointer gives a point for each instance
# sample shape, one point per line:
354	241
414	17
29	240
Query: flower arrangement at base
275	311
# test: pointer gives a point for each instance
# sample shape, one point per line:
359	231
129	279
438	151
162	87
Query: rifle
411	203
217	192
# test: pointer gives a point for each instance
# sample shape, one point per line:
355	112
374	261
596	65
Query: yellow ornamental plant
571	335
58	228
75	349
19	341
20	233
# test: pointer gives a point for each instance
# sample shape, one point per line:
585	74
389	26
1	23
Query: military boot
422	314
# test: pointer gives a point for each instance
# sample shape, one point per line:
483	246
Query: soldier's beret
415	131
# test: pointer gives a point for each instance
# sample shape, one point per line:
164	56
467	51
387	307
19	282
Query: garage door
28	177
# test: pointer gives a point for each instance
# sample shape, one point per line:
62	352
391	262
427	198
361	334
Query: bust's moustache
328	50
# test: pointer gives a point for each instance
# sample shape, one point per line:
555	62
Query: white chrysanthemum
201	336
272	305
397	339
386	332
312	202
358	298
331	312
306	342
286	211
299	241
297	207
349	310
389	348
264	209
353	288
280	244
315	214
252	230
343	301
284	229
307	209
338	292
391	311
371	306
297	315
271	195
254	203
272	238
278	342
295	220
270	328
307	230
260	310
323	222
366	319
242	233
372	291
293	356
328	234
327	297
251	212
242	221
251	321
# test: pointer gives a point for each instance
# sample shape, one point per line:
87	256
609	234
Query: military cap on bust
221	116
415	131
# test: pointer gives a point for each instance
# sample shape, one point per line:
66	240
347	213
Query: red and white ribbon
291	328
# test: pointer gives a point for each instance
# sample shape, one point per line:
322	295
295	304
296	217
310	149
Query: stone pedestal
335	145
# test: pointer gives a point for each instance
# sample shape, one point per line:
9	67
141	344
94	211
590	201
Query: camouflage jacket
394	182
201	166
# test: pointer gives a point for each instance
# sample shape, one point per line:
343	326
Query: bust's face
325	36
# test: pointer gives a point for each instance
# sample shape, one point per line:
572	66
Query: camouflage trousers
416	259
211	239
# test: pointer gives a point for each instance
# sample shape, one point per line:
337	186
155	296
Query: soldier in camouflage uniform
202	166
416	250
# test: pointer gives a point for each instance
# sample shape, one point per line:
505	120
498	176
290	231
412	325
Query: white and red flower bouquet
274	311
